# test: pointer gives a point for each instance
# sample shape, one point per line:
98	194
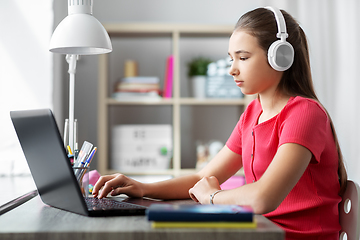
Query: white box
142	148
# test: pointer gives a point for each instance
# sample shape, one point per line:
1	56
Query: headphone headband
280	20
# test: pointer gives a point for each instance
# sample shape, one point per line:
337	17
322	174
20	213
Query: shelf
156	28
188	116
212	101
181	101
161	101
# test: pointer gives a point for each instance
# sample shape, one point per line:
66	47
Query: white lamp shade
80	34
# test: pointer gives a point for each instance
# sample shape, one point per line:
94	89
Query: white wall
25	71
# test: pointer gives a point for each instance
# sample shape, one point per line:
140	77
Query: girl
285	141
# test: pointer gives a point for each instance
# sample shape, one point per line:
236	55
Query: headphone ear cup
281	55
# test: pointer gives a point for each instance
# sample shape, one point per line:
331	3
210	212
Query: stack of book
200	216
137	88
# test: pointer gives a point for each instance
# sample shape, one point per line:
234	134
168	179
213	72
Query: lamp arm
71	59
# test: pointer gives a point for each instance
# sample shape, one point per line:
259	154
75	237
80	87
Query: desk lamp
78	34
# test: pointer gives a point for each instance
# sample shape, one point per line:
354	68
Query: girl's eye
243	58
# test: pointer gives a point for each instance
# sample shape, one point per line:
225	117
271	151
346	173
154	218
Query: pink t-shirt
310	210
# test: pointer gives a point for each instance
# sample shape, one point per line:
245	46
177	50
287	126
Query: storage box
142	148
222	87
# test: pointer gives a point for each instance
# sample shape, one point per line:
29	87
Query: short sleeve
234	142
305	123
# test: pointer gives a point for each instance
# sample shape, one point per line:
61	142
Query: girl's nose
233	71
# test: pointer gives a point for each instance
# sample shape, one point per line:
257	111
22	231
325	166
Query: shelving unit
174	33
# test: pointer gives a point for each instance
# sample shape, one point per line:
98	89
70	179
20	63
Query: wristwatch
213	195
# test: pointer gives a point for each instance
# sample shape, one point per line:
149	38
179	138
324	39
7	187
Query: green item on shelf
198	66
164	151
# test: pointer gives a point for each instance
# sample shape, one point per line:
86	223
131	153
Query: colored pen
84	151
83	154
80	169
86	164
69	150
91	156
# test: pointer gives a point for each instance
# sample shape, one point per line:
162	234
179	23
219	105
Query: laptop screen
44	150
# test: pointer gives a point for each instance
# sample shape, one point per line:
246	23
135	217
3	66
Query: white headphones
280	53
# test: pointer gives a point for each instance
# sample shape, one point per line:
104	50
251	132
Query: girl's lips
239	83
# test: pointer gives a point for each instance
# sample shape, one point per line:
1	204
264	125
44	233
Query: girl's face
250	68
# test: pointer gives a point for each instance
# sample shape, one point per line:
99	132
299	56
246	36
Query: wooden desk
36	221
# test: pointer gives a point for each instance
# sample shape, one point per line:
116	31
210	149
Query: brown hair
297	80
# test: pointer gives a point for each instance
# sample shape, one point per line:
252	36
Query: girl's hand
201	191
117	184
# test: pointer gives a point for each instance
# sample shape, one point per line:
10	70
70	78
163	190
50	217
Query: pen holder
83	179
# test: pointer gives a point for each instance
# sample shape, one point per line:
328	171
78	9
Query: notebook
199	213
52	172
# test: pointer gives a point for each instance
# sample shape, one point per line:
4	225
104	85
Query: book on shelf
136	96
141	79
138	84
168	77
199	213
137	88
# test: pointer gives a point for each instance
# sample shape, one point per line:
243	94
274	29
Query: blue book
199	213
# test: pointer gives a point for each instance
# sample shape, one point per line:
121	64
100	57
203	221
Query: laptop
52	172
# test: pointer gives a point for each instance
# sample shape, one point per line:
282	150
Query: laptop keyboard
108	204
